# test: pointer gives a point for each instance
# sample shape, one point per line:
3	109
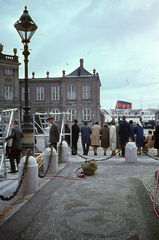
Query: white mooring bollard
130	152
63	152
54	161
30	181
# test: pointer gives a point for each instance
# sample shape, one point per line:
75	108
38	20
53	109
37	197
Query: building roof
80	71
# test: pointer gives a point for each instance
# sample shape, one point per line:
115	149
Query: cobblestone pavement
114	203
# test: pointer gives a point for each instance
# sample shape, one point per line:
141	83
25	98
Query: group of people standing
115	137
89	136
92	136
112	137
119	136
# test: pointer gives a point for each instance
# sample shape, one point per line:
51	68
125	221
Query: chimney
33	74
63	72
1	48
94	71
81	62
79	71
47	74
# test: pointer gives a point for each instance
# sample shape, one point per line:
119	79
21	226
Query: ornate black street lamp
26	27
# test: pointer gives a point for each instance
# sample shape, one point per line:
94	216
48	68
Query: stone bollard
54	161
130	152
63	152
30	181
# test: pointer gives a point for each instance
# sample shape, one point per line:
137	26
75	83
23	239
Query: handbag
89	166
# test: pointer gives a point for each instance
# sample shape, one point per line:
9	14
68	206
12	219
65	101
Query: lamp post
26	27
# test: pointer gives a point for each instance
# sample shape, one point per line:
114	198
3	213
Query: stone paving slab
114	203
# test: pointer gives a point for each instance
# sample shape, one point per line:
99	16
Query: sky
119	38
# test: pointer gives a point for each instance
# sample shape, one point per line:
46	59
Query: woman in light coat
112	133
148	142
95	137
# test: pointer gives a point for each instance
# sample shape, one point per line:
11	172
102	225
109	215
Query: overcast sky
119	38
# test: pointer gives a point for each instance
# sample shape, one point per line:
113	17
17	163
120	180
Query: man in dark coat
156	144
139	136
54	133
67	134
16	147
124	134
104	137
85	134
75	136
132	129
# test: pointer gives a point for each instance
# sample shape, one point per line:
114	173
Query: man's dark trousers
15	154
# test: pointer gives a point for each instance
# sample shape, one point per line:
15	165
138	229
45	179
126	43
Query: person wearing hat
54	133
75	136
156	144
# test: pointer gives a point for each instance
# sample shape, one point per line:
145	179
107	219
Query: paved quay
114	203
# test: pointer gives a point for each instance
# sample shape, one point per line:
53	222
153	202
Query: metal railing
7	117
45	131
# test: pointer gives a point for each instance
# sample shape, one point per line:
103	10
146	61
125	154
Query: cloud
117	38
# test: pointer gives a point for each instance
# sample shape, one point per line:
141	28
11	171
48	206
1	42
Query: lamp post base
27	118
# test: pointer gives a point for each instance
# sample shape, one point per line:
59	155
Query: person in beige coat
118	145
148	142
112	134
95	137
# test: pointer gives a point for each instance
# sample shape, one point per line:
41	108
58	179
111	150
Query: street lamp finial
25	11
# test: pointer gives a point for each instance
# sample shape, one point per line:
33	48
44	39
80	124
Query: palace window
55	93
87	114
72	113
8	92
56	117
71	94
40	93
86	92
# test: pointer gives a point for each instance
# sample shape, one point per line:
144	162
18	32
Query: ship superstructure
145	116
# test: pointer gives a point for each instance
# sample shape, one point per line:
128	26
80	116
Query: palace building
77	93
